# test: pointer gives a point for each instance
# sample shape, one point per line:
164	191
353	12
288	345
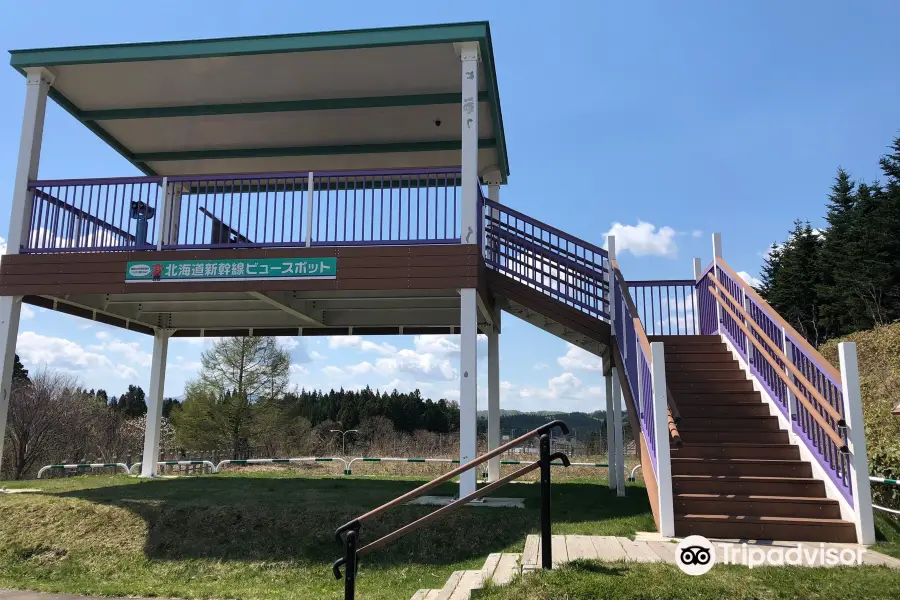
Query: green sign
244	269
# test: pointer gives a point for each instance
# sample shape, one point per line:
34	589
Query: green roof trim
165	112
307	150
478	31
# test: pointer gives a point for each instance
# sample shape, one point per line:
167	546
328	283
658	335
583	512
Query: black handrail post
546	550
351	543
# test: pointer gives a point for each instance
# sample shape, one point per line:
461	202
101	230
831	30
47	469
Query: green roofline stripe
240	46
307	151
274	44
164	112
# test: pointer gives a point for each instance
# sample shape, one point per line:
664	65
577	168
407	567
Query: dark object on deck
141	212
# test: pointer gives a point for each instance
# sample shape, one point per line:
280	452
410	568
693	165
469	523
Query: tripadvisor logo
695	555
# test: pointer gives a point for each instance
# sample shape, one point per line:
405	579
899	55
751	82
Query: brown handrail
674	415
801	397
832	412
798	339
398	533
352	552
451	474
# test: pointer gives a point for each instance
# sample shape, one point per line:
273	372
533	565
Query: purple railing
93	214
542	257
823	379
637	366
666	307
263	210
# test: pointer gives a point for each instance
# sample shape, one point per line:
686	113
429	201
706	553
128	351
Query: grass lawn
590	580
266	534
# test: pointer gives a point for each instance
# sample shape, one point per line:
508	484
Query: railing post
717	254
611	279
163	224
310	192
614	471
661	431
351	544
698	273
856	440
546	537
791	401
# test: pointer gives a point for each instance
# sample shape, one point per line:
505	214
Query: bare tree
37	418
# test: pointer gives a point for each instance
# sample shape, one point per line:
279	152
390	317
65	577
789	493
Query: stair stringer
831	490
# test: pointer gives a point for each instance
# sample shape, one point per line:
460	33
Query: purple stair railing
563	267
819	377
667	307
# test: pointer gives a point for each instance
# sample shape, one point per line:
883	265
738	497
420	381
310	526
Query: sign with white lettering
244	269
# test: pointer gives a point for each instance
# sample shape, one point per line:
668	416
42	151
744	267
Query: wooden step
701	356
729	424
741	466
765	528
710	385
747	485
742	409
685	340
702	367
690	436
704	375
768	506
783	451
684	397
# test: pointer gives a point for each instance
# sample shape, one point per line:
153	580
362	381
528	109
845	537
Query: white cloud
27	312
644	239
754	281
316	355
415	363
36	349
436	344
697	233
289	343
299	369
2	245
333	372
363	368
358	342
577	359
541	366
130	352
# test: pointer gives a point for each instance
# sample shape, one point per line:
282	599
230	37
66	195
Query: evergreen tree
20	373
133	402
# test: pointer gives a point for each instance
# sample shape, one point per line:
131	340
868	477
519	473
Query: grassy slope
265	535
588	580
879	370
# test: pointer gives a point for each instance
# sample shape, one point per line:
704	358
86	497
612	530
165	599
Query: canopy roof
343	100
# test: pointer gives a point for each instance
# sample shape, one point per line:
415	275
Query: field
267	533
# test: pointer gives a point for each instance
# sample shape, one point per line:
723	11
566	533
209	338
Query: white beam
468	387
286	308
37	84
614	469
859	464
155	401
493	403
468	54
10	311
619	435
661	433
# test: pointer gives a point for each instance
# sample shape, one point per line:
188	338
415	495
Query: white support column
856	440
10	311
468	54
163	220
615	471
155	402
493	403
661	430
493	179
717	254
174	213
38	82
468	386
619	435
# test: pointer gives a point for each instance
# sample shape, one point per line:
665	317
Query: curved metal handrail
350	530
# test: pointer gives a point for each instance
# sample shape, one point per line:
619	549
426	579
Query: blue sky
660	121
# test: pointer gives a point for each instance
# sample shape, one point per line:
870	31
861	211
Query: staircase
736	474
499	569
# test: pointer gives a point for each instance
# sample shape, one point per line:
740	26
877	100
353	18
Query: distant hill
513	419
